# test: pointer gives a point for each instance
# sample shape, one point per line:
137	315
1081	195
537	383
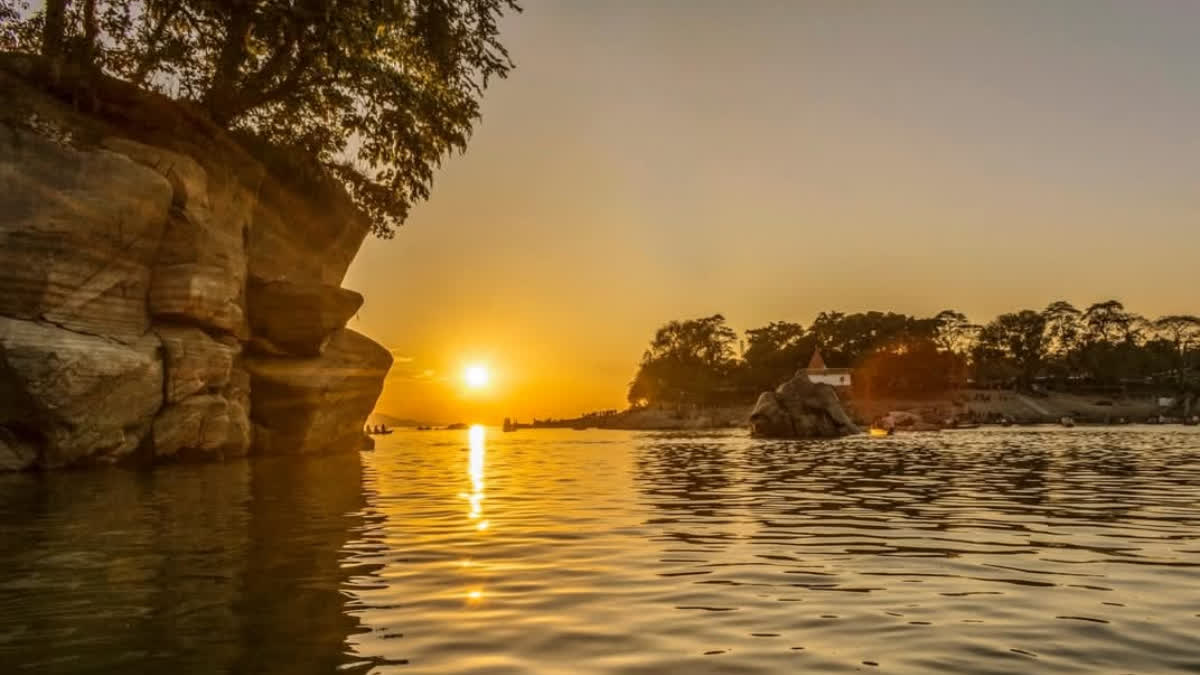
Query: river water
992	551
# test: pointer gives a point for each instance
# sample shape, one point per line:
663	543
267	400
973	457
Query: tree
1063	331
1182	331
686	362
373	93
1108	322
847	339
1013	344
954	333
773	354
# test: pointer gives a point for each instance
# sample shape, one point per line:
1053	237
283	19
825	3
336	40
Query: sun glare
476	376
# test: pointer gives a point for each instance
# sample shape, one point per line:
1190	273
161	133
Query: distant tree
847	339
954	333
1182	331
686	362
773	354
917	369
1108	322
374	93
1062	338
1012	344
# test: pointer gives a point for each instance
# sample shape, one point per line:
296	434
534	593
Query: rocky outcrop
164	296
295	318
79	232
307	405
205	426
800	408
77	397
194	361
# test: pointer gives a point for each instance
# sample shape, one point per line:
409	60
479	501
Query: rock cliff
800	408
163	294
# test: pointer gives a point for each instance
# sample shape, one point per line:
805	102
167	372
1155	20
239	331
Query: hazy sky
768	160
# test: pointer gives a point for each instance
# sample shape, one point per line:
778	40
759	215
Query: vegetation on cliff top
1101	348
375	92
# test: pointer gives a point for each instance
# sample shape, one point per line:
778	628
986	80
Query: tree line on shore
1100	348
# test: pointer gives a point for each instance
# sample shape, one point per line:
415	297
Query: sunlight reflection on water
983	551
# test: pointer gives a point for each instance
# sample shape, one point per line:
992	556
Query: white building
818	372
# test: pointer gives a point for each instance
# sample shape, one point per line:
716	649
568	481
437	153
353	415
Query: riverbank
974	405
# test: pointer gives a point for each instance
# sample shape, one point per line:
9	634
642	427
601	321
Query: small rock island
800	408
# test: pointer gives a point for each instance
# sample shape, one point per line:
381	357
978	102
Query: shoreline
984	407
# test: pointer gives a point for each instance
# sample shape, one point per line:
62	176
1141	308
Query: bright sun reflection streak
476	437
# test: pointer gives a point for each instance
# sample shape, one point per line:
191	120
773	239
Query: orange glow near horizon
984	157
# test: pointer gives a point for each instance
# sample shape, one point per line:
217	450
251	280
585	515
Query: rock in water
128	240
81	397
800	408
301	406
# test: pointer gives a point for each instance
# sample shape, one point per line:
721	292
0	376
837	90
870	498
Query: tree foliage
376	92
685	362
896	355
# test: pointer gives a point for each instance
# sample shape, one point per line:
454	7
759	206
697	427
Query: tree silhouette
373	92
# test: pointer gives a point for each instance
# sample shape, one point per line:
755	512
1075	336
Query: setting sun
476	376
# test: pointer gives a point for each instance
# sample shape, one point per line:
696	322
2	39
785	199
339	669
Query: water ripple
602	551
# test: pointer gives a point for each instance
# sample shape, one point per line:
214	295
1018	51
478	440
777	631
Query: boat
382	432
877	432
1067	421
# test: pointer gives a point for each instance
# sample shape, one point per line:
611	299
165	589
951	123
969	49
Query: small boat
1067	421
877	432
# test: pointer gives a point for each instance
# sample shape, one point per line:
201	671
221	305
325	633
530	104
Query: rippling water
602	551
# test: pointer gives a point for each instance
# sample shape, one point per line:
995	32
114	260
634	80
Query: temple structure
818	372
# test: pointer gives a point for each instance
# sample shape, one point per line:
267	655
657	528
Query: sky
664	160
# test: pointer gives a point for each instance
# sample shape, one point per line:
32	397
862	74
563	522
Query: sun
476	376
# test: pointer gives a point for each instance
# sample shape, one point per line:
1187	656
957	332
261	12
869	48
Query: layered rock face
163	296
800	408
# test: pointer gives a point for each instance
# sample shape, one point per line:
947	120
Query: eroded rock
200	271
79	231
147	221
194	362
86	398
297	318
201	427
301	406
800	408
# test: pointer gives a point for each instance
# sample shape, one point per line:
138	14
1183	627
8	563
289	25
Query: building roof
816	362
816	366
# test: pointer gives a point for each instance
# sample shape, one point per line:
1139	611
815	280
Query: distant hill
388	420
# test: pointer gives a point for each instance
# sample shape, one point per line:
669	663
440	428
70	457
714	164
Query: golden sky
769	160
